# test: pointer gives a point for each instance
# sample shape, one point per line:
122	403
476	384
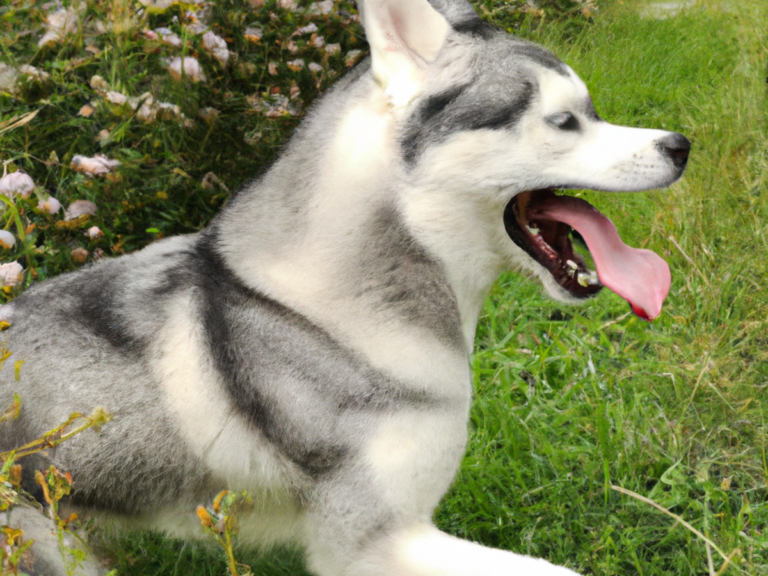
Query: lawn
572	404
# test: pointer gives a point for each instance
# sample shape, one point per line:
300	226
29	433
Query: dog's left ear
405	35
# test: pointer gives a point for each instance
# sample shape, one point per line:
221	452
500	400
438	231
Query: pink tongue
639	276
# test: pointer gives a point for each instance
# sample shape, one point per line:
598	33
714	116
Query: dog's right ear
405	35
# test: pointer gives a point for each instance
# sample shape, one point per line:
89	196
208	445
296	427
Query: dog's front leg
418	550
425	551
372	516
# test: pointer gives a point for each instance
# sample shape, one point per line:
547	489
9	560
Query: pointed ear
405	35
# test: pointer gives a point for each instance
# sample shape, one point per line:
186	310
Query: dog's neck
353	236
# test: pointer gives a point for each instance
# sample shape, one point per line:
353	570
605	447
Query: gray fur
401	275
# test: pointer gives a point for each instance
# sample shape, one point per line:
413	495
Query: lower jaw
548	243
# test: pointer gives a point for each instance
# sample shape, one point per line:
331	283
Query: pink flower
95	166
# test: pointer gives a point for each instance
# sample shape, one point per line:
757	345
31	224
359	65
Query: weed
54	484
219	522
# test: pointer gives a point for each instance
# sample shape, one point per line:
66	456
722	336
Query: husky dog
310	346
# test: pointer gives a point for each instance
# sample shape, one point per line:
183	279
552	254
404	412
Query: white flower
94	232
296	65
147	112
158	4
324	7
168	37
315	67
190	67
308	29
17	183
332	49
50	205
253	34
7	239
99	84
116	97
151	110
93	166
58	25
11	273
134	101
318	42
34	73
288	5
216	46
79	208
352	57
8	78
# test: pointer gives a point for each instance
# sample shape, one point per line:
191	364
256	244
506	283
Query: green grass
569	401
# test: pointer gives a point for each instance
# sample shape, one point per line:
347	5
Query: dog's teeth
587	278
532	229
572	264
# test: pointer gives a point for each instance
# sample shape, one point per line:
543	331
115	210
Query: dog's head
505	123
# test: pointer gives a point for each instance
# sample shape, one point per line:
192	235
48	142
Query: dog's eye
564	121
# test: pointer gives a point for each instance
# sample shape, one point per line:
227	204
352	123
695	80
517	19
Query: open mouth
541	222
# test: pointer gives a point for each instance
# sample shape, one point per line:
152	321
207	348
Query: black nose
676	147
